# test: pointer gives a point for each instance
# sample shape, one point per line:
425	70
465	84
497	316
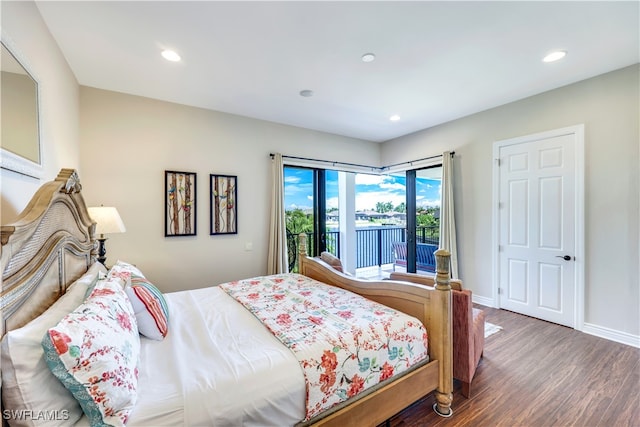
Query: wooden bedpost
302	244
444	393
302	252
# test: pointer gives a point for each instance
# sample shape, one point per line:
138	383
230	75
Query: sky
370	189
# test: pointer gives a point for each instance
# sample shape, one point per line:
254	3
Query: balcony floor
376	272
381	272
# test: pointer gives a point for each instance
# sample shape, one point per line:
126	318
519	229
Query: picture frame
223	197
179	203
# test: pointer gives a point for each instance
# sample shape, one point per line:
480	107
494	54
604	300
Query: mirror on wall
19	116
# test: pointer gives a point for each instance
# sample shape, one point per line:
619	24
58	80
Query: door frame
578	133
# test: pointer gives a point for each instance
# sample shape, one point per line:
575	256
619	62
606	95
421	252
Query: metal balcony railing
373	245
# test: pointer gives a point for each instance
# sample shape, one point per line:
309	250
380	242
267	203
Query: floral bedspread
344	343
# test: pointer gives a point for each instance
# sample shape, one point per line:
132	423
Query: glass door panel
427	217
299	210
311	202
380	202
332	208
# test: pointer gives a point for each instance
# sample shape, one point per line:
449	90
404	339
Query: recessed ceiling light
306	93
394	118
368	57
170	55
554	56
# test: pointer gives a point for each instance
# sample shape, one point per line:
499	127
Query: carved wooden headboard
50	245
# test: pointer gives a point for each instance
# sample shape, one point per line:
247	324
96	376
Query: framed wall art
179	203
224	207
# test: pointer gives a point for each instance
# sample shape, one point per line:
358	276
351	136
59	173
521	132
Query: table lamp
108	221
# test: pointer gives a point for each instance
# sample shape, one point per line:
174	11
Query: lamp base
102	251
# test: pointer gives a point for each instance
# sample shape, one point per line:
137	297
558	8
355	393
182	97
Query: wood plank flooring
536	373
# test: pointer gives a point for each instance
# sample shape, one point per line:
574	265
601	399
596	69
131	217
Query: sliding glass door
310	197
423	218
377	213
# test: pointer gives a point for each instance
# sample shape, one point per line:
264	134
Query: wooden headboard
50	245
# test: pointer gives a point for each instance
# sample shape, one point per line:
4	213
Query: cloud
295	190
332	202
393	186
364	183
421	201
366	179
368	200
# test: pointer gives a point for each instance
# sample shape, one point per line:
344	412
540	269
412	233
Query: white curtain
278	260
447	213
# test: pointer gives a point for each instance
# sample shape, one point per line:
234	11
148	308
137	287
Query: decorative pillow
94	351
150	307
332	260
28	386
123	270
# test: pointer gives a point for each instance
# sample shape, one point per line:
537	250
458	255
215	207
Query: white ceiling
435	61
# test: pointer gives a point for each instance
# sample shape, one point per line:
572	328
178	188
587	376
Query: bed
51	248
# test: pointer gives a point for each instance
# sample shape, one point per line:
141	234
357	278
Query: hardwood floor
536	373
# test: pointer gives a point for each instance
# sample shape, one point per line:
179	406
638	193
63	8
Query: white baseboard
487	302
612	334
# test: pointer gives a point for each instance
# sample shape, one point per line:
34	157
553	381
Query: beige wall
127	142
608	106
59	104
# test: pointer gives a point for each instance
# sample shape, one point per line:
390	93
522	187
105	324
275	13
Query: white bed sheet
218	366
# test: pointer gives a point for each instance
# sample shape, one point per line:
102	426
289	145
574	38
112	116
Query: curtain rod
379	169
411	162
328	161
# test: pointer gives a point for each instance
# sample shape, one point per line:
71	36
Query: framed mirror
19	115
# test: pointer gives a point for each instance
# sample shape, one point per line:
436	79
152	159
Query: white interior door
536	228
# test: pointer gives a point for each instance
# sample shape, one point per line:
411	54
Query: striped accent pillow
150	307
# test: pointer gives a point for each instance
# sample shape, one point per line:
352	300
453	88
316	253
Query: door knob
565	257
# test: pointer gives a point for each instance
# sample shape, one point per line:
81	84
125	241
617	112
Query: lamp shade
108	220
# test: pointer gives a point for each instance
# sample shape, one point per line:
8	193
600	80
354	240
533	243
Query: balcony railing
373	245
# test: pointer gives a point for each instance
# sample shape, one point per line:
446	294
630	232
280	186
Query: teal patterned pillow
94	351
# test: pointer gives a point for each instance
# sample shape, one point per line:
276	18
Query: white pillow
27	382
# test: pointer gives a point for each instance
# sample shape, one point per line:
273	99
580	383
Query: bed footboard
431	305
